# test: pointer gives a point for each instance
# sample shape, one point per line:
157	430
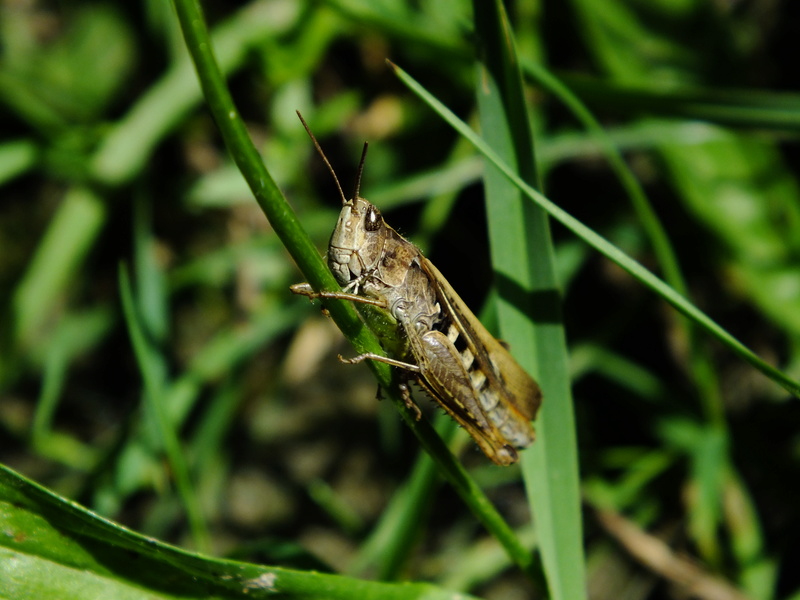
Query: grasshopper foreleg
384	359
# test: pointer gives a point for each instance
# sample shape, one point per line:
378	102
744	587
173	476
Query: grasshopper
447	351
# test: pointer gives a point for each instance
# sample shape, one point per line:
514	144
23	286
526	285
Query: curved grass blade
599	243
54	548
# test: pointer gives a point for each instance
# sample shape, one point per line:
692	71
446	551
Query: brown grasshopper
447	352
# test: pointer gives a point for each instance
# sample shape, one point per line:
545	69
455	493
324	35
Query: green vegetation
155	368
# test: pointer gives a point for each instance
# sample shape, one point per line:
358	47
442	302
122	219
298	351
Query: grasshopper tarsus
405	394
352	361
304	289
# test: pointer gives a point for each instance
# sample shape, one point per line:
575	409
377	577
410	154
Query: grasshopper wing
509	396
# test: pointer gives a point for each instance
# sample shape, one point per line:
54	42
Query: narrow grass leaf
54	548
151	367
58	256
528	307
602	245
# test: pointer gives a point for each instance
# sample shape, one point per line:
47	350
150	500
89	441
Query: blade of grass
482	561
700	364
647	216
216	361
151	286
58	549
150	366
389	544
596	241
391	541
703	176
705	516
74	334
66	243
266	192
729	106
529	305
17	157
760	573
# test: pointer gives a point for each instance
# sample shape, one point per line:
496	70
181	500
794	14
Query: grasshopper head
357	242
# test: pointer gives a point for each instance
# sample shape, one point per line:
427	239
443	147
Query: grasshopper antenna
325	158
360	170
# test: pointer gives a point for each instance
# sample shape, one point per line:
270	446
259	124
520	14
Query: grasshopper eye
373	220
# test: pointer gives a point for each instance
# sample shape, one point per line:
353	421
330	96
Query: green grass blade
743	108
388	547
151	286
647	216
391	541
602	245
151	366
59	255
529	306
55	548
700	364
75	334
17	157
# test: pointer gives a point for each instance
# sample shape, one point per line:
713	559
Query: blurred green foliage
108	157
